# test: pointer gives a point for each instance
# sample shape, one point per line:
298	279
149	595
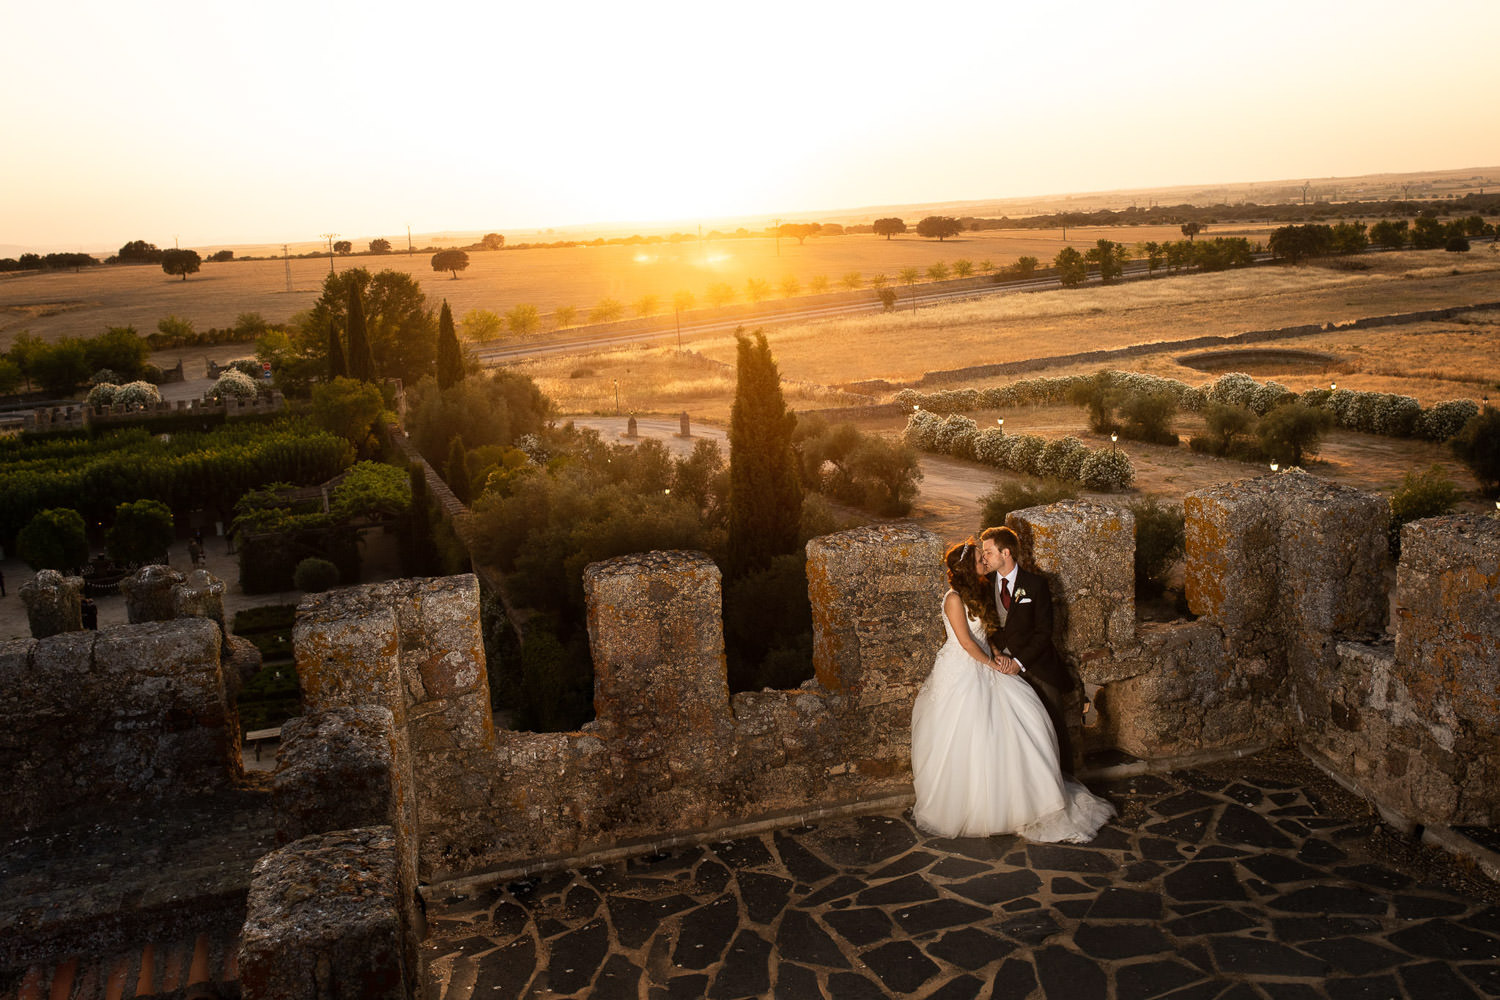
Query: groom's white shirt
1010	580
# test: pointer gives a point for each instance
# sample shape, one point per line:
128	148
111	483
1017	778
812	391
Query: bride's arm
953	607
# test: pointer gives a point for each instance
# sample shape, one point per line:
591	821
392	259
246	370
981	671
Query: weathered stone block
1231	552
347	646
1087	553
1182	693
151	594
657	636
336	770
1448	652
323	922
54	603
877	598
199	595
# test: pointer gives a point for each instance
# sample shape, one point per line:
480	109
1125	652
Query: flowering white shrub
1233	389
233	384
992	447
922	430
1107	470
1025	450
956	436
102	394
1267	396
138	394
1063	458
1446	419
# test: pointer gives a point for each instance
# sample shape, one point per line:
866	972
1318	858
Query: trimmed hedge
1067	459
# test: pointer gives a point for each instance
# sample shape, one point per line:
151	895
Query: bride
984	755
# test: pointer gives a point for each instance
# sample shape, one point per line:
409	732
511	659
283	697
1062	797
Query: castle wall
128	713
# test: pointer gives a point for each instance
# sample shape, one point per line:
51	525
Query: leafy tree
607	311
694	478
1009	495
1154	254
183	262
342	246
121	350
380	245
1478	447
963	268
492	241
1191	229
887	298
1289	432
790	286
817	284
1389	233
720	293
889	472
221	256
683	300
361	360
1072	268
1025	267
889	227
1427	233
1109	258
878	281
142	532
800	230
937	271
756	289
852	280
338	365
450	357
939	226
1148	416
450	260
1350	237
648	305
371	490
456	469
1297	243
765	495
909	276
347	407
496	410
481	324
54	539
564	316
1457	244
61	367
138	252
1225	424
10	375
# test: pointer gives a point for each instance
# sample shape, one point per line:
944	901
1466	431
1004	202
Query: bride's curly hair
972	589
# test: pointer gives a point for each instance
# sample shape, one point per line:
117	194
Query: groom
1024	643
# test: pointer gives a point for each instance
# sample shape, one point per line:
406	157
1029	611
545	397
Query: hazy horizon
281	122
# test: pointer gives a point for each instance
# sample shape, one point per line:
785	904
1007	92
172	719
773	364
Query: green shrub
1159	542
1447	418
142	532
264	618
54	539
1478	447
314	575
1289	432
557	682
1422	494
1148	417
1020	494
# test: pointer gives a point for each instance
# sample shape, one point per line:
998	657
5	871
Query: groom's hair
1003	538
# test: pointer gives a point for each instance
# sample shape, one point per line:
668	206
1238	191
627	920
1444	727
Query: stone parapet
1087	553
323	922
151	594
133	712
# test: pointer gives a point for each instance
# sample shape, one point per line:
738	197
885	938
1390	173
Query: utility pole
408	239
288	260
776	227
330	237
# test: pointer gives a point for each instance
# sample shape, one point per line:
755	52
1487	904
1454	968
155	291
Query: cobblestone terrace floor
1245	880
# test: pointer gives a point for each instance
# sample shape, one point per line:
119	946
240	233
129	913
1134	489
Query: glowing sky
212	123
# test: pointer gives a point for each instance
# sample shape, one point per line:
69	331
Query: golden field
53	305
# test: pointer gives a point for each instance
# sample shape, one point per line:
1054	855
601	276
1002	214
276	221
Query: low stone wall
126	713
323	922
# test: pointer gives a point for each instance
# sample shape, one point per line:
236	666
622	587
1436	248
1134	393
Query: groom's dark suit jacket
1028	630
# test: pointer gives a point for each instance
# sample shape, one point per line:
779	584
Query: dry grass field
1430	361
53	305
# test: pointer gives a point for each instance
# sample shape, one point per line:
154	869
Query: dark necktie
1005	594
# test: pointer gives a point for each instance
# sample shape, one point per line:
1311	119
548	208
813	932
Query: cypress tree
765	494
456	473
361	361
337	366
450	360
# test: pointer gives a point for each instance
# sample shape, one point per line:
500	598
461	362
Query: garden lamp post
1113	437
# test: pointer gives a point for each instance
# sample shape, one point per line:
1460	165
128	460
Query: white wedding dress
984	756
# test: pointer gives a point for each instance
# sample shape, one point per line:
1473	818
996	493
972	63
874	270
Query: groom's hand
1006	665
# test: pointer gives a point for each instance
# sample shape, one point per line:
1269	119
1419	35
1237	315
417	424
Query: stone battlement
395	775
57	419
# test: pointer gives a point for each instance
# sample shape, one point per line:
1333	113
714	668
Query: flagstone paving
1256	879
